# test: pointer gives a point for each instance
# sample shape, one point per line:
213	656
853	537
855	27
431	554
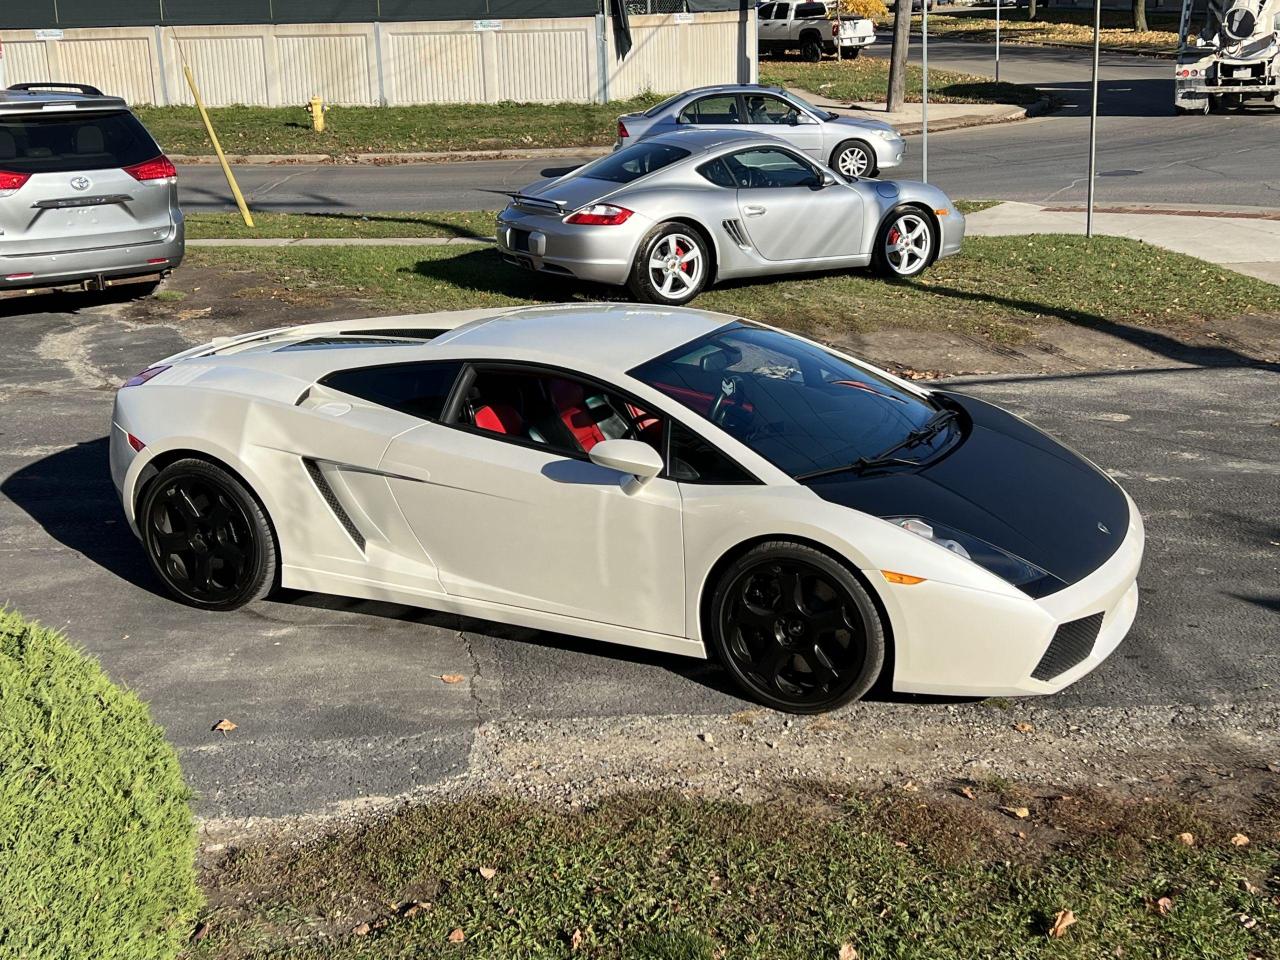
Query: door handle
753	210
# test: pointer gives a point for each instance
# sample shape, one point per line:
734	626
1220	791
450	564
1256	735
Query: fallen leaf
847	952
1064	919
1187	839
361	929
967	793
1239	840
1025	727
575	941
1247	921
223	726
457	936
488	872
413	908
910	787
452	677
1020	812
201	932
1163	905
900	843
1247	886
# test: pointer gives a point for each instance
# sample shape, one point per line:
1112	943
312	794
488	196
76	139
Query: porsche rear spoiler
540	204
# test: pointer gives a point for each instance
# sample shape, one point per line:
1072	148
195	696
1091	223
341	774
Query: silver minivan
88	200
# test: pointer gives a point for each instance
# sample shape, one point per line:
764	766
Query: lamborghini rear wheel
207	537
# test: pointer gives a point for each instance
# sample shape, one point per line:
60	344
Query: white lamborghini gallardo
665	478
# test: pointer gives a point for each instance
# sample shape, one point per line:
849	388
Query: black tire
668	285
904	264
816	652
857	155
811	48
852	54
207	537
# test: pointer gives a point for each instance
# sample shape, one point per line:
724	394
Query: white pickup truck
811	28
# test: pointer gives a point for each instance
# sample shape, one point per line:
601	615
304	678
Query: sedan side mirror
829	179
633	457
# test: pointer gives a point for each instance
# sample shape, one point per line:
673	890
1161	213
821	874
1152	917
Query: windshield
802	102
63	142
799	406
633	162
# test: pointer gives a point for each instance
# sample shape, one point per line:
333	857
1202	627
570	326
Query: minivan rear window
633	162
65	142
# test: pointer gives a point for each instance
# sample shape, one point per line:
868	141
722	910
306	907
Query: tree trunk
898	55
1031	9
1140	15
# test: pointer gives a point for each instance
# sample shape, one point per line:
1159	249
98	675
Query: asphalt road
338	700
1146	154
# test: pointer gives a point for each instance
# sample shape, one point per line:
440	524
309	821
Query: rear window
634	162
418	389
81	141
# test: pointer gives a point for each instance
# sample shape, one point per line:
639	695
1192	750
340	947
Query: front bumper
90	269
889	153
548	245
953	226
964	642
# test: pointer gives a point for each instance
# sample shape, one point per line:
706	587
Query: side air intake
331	498
1072	642
734	229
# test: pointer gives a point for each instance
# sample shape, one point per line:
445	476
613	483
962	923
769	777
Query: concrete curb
1058	44
1015	112
342	242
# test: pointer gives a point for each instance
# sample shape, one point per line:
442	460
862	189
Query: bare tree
1139	15
898	55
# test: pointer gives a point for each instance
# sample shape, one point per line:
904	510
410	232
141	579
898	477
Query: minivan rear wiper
885	458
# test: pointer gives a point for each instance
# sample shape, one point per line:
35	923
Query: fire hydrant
317	108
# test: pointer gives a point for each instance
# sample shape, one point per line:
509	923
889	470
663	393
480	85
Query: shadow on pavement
38	303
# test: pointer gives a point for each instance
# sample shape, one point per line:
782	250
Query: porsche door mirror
632	457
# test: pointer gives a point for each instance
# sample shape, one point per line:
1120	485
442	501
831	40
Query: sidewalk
1248	244
942	116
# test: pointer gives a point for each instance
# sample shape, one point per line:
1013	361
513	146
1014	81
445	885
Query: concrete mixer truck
1228	53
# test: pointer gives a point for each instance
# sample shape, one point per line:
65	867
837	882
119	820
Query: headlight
886	134
1022	574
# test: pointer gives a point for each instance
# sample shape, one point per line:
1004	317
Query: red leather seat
499	418
571	407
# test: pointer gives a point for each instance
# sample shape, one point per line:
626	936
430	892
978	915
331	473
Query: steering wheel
730	386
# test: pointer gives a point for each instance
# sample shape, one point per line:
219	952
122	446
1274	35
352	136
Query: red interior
499	418
571	406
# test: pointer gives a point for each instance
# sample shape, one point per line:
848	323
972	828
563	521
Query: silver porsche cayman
674	213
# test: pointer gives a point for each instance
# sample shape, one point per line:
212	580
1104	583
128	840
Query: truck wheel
811	49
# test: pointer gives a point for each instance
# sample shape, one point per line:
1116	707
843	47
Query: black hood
1010	485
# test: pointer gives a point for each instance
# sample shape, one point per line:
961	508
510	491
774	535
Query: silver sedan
674	213
852	147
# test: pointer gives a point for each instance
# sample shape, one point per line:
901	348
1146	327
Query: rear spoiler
537	203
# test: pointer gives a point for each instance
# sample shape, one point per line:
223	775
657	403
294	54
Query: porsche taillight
600	215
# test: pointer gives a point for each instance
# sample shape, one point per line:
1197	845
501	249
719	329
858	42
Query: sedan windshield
633	162
799	406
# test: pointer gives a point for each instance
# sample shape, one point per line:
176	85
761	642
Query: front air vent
331	498
1072	642
734	229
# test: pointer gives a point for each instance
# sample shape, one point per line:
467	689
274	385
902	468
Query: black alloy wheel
797	629
207	538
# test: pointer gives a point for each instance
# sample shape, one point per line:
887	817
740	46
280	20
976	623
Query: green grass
96	836
471	223
1057	26
356	130
905	876
999	287
867	78
976	206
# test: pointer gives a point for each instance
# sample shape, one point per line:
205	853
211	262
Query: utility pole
1093	118
997	41
924	88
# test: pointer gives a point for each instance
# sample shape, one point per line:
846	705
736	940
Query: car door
787	213
774	29
764	113
505	499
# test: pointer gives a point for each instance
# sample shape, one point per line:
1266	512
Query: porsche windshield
799	406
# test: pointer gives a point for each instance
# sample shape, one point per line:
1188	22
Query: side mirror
829	179
632	457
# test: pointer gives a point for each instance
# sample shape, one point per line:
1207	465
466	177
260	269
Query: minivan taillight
143	377
10	181
161	168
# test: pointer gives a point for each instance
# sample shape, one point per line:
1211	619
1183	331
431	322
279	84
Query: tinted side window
765	12
84	141
807	11
418	389
633	162
715	110
781	10
770	167
717	173
692	460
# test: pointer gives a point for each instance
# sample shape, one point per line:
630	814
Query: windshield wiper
885	458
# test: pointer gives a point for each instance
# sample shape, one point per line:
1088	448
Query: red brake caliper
894	235
684	267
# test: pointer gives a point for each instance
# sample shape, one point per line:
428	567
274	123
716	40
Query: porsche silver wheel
675	267
906	243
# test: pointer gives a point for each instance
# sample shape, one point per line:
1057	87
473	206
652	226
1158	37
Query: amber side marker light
903	578
942	211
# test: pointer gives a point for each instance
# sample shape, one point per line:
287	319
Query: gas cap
887	190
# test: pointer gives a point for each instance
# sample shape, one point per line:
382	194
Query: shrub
97	842
871	9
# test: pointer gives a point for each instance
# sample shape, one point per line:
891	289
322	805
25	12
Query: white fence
471	61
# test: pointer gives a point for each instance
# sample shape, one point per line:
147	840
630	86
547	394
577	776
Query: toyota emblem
81	183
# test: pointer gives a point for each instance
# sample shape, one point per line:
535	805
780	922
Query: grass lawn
867	78
1074	27
1000	287
888	875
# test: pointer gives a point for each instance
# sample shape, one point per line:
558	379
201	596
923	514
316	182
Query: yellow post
217	148
316	109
